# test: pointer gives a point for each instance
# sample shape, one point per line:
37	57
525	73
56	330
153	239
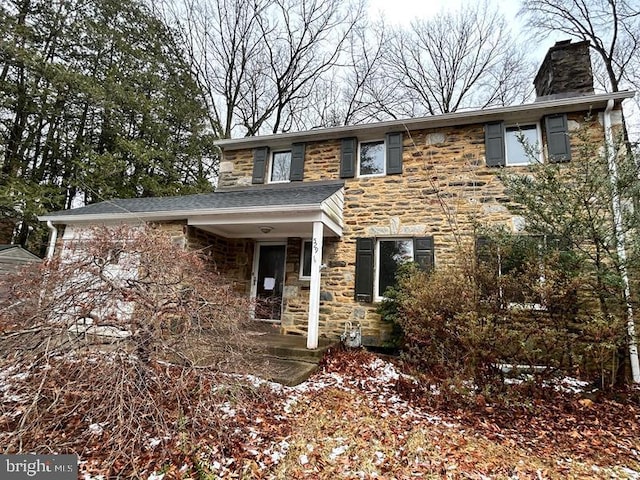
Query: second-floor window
280	167
522	144
372	158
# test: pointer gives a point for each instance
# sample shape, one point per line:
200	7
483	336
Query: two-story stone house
313	224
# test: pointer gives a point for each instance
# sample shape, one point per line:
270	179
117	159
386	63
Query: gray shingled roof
299	193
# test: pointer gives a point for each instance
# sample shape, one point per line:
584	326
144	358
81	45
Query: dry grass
338	434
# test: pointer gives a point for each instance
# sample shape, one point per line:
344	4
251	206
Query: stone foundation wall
445	190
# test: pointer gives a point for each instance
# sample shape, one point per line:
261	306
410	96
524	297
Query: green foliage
575	202
97	102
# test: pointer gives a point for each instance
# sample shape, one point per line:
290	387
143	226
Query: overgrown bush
514	304
443	330
591	205
114	351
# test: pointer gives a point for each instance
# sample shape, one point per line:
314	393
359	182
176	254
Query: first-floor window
391	254
305	260
378	261
513	268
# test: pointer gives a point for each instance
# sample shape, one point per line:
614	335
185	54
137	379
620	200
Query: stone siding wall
295	303
232	258
445	190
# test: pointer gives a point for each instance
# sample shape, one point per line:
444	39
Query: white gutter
620	242
53	237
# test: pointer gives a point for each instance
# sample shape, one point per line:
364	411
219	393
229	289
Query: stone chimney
565	71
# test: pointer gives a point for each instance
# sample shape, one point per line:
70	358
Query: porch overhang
267	224
260	212
265	212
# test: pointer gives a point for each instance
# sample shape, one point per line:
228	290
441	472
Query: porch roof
232	212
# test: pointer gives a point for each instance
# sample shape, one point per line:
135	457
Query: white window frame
376	265
538	140
302	249
272	156
384	158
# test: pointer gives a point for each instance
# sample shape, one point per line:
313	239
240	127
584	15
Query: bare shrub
521	303
443	330
115	351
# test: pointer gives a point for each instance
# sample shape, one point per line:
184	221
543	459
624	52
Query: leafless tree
356	89
612	28
455	60
116	350
259	61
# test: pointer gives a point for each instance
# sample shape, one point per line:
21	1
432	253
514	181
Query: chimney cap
561	43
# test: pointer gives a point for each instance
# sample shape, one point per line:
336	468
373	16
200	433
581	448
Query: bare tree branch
457	60
612	28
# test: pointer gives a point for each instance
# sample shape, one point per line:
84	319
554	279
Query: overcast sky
403	11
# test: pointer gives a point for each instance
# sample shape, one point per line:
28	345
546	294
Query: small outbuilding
14	256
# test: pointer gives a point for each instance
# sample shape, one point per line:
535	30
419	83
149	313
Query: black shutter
348	157
297	162
259	164
483	249
558	145
494	144
394	153
423	252
364	269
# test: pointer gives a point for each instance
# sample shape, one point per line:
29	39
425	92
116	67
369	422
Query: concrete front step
291	346
288	372
287	358
295	353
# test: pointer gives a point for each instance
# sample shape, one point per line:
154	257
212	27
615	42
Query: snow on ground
377	384
374	383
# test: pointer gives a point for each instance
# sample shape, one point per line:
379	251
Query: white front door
268	280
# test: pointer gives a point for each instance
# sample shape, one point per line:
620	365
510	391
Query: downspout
53	237
620	242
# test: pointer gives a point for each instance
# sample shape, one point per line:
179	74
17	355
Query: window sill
373	175
271	182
